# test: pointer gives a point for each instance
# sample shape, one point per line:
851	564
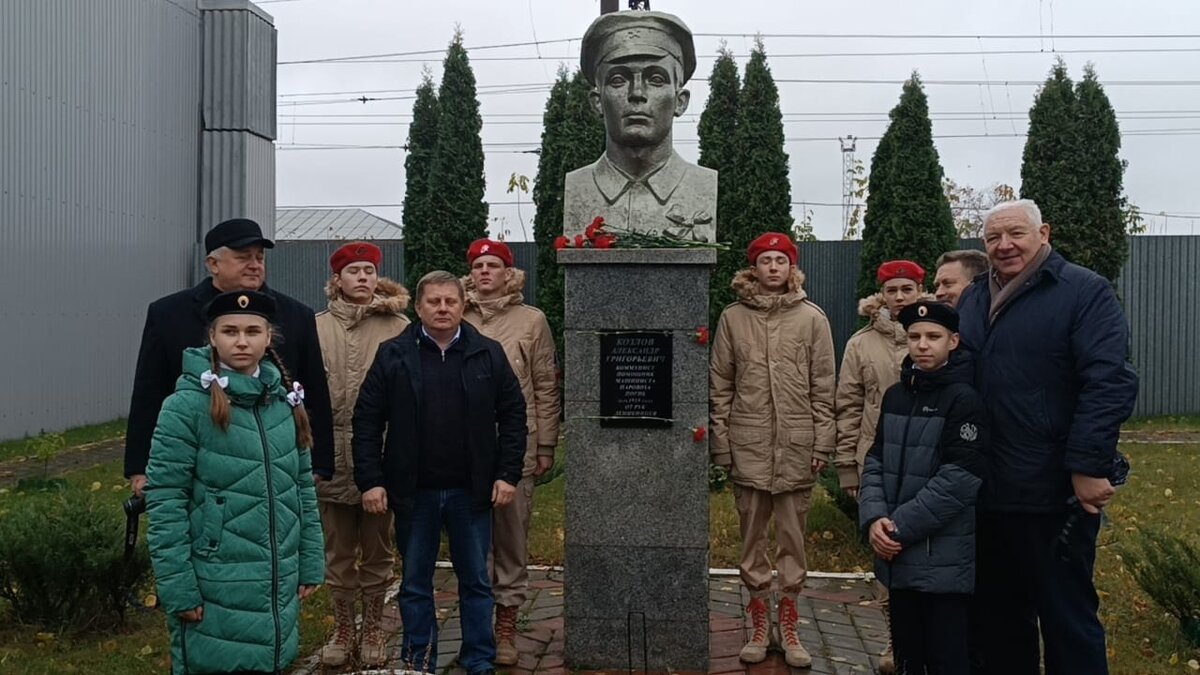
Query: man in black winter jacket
236	260
454	418
1050	345
917	497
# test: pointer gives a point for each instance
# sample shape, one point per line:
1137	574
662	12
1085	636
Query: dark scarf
1002	293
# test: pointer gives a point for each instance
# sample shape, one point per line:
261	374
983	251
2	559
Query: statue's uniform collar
662	181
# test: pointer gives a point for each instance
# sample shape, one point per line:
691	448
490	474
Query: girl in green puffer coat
235	535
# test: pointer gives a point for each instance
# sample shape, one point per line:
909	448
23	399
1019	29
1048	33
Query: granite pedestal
636	498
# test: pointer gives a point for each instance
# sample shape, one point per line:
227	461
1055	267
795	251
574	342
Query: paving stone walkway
841	626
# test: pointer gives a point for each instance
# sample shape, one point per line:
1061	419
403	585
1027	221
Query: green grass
1163	491
1142	639
1166	423
21	447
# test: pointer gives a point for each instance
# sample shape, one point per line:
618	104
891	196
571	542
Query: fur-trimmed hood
750	293
391	298
874	307
513	294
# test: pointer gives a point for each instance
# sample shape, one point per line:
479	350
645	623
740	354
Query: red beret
355	251
773	241
488	247
900	269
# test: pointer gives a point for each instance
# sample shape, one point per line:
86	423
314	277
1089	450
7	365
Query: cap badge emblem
922	310
485	248
361	250
243	301
773	242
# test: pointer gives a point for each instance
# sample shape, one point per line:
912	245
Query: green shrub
62	558
1168	569
844	502
718	478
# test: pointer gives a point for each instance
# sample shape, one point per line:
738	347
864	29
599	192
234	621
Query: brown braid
220	401
304	438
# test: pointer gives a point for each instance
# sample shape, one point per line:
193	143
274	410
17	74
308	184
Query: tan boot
755	650
340	647
794	653
373	651
887	659
506	636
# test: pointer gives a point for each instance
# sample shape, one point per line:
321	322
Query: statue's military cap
619	35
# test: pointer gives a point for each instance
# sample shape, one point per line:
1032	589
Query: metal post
608	6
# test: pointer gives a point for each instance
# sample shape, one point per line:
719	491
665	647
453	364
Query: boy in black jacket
919	485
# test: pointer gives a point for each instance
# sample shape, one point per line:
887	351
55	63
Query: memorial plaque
635	379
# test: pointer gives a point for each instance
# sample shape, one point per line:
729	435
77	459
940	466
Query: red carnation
595	229
604	241
562	242
699	434
580	241
702	335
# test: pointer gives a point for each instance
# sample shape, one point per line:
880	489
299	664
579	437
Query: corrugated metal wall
301	268
1160	288
1158	285
238	82
98	193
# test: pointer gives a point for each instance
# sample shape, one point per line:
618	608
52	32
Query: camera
134	507
1118	476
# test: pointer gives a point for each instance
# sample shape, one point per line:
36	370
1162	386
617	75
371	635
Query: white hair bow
296	396
208	377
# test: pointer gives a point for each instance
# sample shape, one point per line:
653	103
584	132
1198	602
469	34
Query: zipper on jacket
274	547
183	644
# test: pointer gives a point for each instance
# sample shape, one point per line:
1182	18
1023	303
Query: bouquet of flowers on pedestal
601	235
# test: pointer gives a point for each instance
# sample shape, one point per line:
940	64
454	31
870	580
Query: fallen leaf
1194	664
1174	659
827	535
145	651
43	638
95	486
151	600
1168	493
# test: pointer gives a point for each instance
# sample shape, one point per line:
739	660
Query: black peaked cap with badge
933	312
236	233
240	302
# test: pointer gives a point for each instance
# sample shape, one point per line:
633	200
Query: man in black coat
236	261
455	424
1050	343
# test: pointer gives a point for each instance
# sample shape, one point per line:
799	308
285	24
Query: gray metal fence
301	268
1159	287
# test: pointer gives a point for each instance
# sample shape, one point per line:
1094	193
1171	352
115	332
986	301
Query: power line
809	55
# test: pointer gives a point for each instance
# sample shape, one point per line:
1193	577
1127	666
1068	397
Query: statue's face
639	97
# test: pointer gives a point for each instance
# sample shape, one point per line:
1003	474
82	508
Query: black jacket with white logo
924	472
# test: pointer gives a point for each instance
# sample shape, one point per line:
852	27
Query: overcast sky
978	127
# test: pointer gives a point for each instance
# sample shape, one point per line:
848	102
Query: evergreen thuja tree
457	212
422	140
572	137
717	129
759	197
913	219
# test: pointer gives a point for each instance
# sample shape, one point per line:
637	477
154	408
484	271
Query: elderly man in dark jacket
236	261
455	424
1050	345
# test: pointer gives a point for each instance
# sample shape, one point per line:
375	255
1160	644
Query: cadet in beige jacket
496	307
364	311
771	390
870	365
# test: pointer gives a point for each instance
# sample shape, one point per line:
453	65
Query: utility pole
848	145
